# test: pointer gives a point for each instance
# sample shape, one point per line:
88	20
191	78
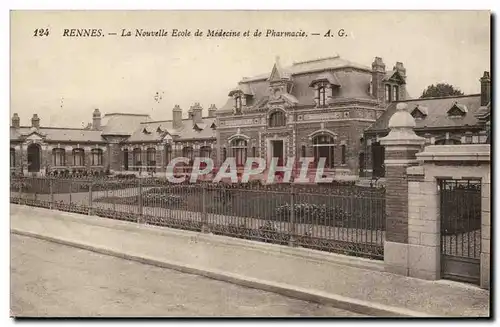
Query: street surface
52	280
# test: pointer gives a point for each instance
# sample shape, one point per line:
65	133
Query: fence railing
343	219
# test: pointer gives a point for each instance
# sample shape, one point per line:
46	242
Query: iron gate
460	203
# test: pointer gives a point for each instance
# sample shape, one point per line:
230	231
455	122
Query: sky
122	74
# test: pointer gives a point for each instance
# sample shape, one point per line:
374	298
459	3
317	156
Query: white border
187	4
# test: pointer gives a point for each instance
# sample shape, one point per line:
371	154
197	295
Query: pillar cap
401	127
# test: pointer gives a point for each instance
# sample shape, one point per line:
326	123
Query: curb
337	301
308	254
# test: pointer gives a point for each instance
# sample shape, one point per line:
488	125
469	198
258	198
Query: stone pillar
485	231
401	146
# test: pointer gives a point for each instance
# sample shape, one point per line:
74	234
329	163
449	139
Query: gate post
401	146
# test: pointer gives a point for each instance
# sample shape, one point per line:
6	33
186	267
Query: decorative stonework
326	116
237	122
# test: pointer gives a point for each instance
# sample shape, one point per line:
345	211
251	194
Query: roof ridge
337	56
64	128
126	114
440	98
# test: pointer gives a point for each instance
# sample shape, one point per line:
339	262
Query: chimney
378	74
96	120
196	113
177	117
35	121
485	89
16	123
402	88
212	110
400	68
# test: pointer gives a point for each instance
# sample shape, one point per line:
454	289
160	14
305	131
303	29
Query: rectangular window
322	96
395	93
344	154
254	152
96	157
303	151
388	93
58	157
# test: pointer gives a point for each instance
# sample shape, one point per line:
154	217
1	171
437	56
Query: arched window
96	157
322	95
12	157
343	148
58	157
151	157
136	158
78	157
239	151
324	148
205	151
187	152
277	119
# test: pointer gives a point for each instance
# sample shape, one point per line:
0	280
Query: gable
419	112
457	110
275	74
395	76
34	137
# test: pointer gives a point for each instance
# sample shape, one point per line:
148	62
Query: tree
440	90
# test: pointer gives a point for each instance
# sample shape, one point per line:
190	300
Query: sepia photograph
250	163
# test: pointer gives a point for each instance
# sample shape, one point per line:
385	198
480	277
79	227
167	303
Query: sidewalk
348	283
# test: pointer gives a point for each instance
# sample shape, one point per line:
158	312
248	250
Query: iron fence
345	219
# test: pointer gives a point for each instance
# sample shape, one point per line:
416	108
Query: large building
318	108
324	108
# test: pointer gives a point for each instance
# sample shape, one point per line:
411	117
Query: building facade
318	108
327	108
115	143
461	119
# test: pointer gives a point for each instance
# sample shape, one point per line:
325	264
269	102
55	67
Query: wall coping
462	152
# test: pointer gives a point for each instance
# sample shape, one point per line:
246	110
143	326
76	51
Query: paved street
49	279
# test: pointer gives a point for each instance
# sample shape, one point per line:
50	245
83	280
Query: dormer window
326	86
420	112
159	130
322	95
145	131
457	110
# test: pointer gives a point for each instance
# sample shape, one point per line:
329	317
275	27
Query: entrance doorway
33	158
460	229
277	151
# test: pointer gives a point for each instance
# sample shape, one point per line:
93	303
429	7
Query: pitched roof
122	123
328	76
58	134
310	66
188	131
437	112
